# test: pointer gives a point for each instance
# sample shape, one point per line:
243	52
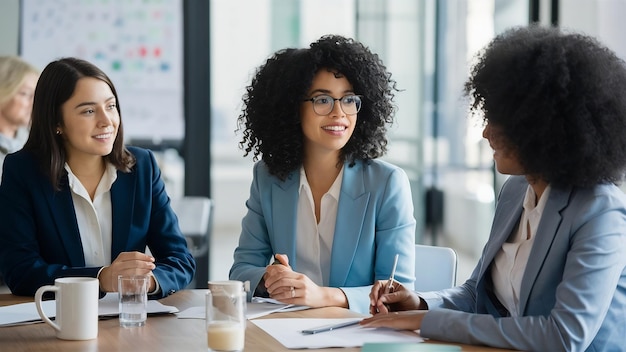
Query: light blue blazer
573	292
374	222
39	237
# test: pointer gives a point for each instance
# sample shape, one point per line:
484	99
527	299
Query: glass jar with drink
225	316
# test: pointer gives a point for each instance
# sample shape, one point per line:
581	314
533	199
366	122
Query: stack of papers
26	313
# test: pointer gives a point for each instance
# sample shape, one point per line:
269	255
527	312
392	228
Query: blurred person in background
18	79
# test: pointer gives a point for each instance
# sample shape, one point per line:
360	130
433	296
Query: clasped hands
127	263
399	308
285	285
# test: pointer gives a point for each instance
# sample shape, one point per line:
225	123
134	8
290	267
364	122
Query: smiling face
329	133
90	120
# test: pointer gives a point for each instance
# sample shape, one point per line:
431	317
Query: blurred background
181	68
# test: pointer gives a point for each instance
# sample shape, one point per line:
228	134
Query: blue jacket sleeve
576	299
394	233
154	220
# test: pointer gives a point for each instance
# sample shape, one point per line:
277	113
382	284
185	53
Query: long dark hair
55	86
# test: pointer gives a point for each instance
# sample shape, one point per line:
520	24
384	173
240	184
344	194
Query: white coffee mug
76	307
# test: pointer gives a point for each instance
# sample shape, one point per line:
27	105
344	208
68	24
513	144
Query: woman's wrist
101	276
422	304
337	296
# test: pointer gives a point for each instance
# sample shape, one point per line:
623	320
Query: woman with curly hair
552	276
320	203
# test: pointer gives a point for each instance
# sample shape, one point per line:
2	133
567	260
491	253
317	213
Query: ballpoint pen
276	261
329	327
393	273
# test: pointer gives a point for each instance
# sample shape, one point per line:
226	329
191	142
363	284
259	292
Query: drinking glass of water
133	303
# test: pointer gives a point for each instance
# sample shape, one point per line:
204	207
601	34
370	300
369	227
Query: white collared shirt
314	241
510	262
94	218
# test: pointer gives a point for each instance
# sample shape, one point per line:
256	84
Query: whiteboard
137	43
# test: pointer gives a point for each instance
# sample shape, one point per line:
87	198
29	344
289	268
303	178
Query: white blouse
510	262
314	241
94	217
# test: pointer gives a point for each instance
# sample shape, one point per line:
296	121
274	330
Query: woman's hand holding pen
285	285
396	308
398	298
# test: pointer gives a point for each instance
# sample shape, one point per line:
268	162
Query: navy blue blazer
39	237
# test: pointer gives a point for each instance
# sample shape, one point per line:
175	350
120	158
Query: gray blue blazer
374	222
573	293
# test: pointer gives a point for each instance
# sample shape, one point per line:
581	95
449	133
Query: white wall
9	26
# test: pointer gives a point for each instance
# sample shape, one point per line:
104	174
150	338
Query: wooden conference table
161	332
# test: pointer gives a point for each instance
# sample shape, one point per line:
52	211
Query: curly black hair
558	99
270	118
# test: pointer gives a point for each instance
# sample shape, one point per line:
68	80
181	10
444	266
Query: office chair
195	221
435	268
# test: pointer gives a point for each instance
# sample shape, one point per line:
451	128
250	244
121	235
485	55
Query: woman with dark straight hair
56	87
77	202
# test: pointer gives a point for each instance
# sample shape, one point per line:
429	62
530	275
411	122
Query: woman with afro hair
552	276
321	205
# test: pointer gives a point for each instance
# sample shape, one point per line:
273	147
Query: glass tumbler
225	320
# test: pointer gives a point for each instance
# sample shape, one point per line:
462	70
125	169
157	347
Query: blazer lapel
505	222
506	219
122	200
285	204
546	232
64	217
352	205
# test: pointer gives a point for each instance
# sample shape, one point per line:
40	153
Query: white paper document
253	310
288	332
284	307
25	313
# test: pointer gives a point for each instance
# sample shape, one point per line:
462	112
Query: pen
276	261
330	327
393	273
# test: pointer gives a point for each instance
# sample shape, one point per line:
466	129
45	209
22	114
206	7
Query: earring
58	131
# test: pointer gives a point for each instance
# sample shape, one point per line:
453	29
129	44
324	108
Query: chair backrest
195	220
194	214
435	268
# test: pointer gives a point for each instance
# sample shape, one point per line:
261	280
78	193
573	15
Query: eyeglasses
324	104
